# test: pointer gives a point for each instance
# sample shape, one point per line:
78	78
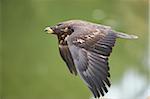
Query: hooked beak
48	30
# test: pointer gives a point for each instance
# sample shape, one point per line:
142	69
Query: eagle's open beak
48	30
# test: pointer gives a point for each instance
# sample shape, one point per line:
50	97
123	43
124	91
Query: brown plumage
85	47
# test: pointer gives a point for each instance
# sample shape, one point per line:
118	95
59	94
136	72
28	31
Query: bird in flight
85	47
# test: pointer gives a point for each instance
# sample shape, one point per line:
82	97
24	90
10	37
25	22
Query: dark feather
66	56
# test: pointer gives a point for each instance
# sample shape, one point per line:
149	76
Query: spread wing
66	56
90	50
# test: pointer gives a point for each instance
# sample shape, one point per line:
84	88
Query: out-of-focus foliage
31	65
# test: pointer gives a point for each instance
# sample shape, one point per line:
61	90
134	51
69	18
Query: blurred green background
31	67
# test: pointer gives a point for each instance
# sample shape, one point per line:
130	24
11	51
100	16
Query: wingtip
134	37
126	36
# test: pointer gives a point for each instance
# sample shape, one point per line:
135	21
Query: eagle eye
59	24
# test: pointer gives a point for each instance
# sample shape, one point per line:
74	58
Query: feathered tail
125	36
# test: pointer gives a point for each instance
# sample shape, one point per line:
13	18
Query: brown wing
66	56
90	53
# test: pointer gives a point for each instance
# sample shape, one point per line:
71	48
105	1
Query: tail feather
125	36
